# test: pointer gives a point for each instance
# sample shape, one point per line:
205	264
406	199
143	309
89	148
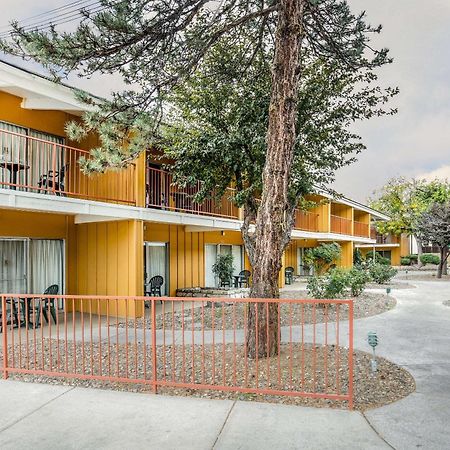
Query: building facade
108	234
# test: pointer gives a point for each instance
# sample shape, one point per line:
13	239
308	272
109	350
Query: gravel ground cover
299	367
446	303
233	316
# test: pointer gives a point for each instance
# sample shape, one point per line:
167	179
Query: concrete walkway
416	334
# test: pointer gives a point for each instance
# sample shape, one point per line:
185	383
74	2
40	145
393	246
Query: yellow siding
107	259
347	254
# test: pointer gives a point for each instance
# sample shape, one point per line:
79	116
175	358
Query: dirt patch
423	276
394	285
299	367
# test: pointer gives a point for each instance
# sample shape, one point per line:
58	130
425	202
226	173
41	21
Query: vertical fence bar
154	359
5	338
350	355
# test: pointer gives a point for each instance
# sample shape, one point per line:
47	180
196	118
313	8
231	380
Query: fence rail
361	229
36	165
194	343
306	221
341	225
163	193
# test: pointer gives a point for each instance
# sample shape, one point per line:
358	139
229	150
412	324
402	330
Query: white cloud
443	173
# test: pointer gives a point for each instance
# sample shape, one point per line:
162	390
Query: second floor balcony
340	225
384	239
361	229
306	221
45	166
162	193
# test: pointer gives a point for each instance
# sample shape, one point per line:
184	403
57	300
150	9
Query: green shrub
323	255
223	267
357	257
405	261
414	258
336	282
380	273
357	280
429	258
378	259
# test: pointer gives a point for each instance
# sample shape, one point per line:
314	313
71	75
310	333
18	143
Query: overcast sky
413	143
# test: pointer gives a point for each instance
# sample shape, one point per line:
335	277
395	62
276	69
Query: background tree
404	201
434	226
157	44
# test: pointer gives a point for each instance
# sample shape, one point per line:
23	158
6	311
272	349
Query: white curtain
41	155
156	261
12	149
46	265
210	259
13	267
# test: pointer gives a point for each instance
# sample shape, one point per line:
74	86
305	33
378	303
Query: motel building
108	234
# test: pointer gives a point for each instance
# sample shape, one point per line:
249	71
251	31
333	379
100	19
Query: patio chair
34	304
289	275
54	180
13	315
244	278
225	283
153	287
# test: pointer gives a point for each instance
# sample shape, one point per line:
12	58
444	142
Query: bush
413	258
335	283
357	257
405	261
357	280
429	258
323	255
380	273
378	259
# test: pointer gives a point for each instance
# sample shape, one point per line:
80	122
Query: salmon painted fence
192	343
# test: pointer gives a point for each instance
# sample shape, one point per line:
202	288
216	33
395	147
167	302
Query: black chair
13	316
289	275
225	283
48	304
244	278
54	180
153	287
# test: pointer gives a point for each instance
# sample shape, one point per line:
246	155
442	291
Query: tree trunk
275	215
442	252
419	251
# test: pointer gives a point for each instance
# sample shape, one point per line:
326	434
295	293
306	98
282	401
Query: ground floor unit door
31	265
211	253
156	263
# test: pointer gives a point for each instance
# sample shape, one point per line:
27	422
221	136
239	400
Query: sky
415	142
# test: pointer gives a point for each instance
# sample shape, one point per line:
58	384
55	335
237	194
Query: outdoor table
14	168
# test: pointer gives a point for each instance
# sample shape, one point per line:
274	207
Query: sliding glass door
211	253
155	263
31	265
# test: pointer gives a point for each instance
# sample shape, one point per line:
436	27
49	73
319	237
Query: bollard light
388	290
372	339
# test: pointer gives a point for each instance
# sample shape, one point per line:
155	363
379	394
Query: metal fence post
5	338
154	361
350	356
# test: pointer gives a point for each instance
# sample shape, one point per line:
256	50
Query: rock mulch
233	316
299	367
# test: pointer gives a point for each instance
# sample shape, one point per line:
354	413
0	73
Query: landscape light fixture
372	339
